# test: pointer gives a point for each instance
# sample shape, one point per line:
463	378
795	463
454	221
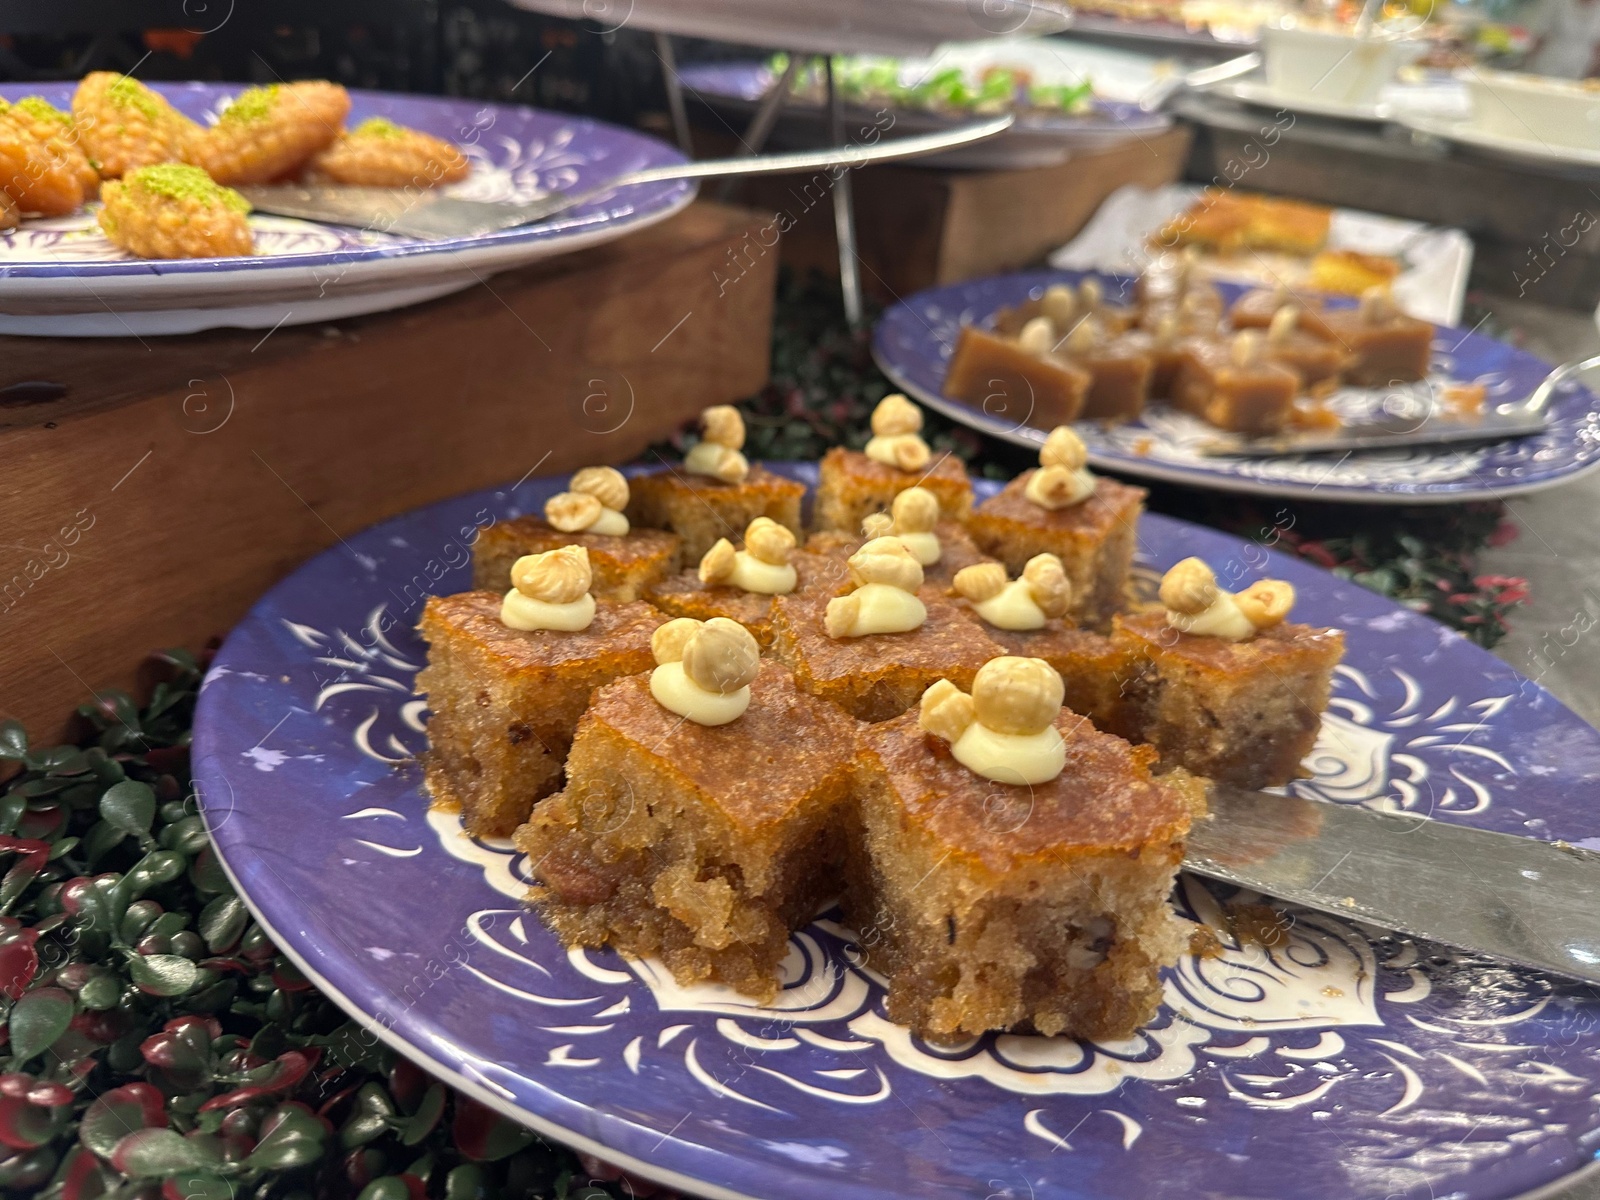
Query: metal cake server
430	214
1414	423
1515	898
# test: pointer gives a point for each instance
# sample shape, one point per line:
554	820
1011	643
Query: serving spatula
1410	420
434	215
1514	898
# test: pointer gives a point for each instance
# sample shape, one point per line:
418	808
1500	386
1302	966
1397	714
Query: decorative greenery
825	384
156	1042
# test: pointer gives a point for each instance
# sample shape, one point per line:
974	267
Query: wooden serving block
916	227
153	489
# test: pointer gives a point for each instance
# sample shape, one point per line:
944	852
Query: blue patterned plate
1344	1062
63	278
914	340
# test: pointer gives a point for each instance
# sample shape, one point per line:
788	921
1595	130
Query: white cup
1533	108
1330	65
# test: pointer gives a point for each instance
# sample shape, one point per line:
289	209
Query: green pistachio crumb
179	181
379	127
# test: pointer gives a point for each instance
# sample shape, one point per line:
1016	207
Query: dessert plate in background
60	277
1342	1062
913	342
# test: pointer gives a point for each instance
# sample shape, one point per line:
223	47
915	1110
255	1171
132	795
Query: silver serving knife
434	215
1161	94
1514	898
1416	423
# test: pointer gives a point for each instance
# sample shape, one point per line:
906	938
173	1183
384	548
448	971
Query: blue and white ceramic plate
913	342
61	277
1347	1062
1036	140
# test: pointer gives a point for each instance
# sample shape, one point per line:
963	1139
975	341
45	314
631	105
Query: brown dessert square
956	550
1007	383
1316	360
703	846
880	675
1244	713
623	566
1256	308
1385	348
1094	540
683	595
851	485
1037	908
1119	376
701	509
1244	397
506	702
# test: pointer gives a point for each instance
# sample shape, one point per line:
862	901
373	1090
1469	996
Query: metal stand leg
844	217
766	116
669	75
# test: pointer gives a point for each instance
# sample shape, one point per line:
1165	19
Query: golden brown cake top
756	769
617	630
945	467
1104	800
1112	503
759	480
948	638
1278	646
532	534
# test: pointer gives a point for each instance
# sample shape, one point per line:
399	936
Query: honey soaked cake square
701	845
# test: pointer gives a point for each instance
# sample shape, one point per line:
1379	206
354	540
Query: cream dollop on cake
1005	730
912	517
763	565
592	503
1063	478
550	591
1042	592
897	435
1196	605
704	669
718	452
885	599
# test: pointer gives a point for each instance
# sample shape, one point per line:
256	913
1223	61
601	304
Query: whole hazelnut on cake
1039	595
704	669
550	591
1005	730
897	435
1196	605
912	517
718	452
1063	477
763	565
592	503
886	577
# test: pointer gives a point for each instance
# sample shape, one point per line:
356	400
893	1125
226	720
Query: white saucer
1258	94
1531	150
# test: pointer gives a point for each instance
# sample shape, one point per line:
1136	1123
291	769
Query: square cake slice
1245	713
506	702
1094	540
623	566
700	509
701	845
880	675
850	486
684	595
994	906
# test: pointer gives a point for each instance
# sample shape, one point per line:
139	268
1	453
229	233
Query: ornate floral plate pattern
62	276
913	342
1341	1061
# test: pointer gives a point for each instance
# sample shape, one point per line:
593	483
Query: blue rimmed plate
1344	1062
60	276
913	342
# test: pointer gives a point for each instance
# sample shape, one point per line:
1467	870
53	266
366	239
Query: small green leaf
163	974
281	1151
160	1152
200	1185
13	740
426	1117
386	1187
130	806
222	921
38	1019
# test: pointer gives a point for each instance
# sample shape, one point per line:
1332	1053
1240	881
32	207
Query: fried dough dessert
55	130
37	175
123	125
175	211
270	132
379	153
